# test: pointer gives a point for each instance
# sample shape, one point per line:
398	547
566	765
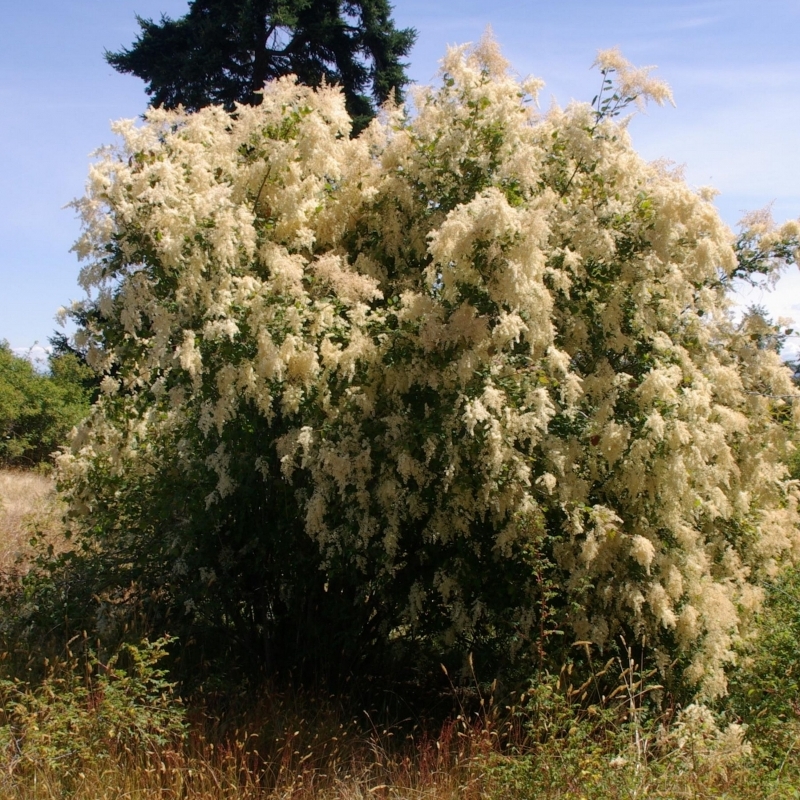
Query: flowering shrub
471	375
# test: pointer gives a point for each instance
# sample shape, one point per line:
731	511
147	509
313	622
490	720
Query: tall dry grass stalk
450	766
29	507
462	762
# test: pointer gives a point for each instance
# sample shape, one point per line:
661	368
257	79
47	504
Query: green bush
765	688
85	712
38	410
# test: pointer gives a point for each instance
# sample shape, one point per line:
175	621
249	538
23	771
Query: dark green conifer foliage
223	51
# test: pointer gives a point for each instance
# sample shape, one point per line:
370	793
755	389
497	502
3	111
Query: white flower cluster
485	332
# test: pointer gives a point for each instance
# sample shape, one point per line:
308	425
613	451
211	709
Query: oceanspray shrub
467	379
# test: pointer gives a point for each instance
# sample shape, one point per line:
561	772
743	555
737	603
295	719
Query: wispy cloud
694	22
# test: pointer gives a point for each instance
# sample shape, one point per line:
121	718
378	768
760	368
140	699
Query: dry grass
461	763
230	773
29	507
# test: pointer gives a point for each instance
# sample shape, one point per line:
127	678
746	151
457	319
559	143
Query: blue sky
734	68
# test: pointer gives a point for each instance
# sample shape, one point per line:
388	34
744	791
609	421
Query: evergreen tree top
223	51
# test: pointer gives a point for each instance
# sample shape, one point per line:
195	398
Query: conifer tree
223	51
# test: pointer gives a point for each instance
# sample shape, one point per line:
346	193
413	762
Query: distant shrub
38	410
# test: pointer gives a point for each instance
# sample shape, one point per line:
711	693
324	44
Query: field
29	508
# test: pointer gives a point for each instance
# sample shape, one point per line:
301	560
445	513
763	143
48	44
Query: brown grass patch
29	507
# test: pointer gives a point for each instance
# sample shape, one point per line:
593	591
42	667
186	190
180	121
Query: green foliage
590	738
68	366
765	688
759	249
38	410
222	52
85	712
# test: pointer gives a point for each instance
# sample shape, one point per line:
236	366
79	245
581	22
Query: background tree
68	361
223	51
38	409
